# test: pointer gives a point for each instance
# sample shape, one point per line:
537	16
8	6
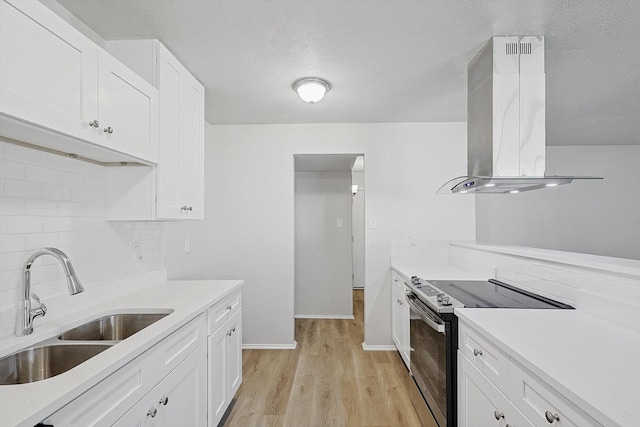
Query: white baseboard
324	316
367	347
291	346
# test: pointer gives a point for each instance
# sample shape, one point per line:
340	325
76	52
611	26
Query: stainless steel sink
40	363
114	327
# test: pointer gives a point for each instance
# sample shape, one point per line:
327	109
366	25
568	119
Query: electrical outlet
137	251
412	242
373	222
187	246
339	222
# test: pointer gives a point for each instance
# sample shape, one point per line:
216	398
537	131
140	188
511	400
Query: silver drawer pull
551	417
498	415
477	352
229	307
108	130
152	412
94	124
164	400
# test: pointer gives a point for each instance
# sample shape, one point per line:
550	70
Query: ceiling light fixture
311	89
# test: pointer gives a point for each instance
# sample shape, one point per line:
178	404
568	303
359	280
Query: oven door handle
427	318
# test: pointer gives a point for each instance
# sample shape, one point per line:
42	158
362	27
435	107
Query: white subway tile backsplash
22	154
70	179
11	206
10	169
40	207
13	243
22	189
51	192
50	200
23	224
40	174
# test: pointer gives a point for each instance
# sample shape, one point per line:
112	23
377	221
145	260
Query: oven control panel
439	301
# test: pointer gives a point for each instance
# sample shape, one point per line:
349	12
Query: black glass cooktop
493	294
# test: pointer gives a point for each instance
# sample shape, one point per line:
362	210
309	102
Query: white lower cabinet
187	379
400	314
480	403
495	390
225	366
110	399
179	400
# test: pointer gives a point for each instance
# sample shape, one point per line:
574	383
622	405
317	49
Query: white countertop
28	404
592	362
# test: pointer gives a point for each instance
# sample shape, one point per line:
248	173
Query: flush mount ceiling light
311	89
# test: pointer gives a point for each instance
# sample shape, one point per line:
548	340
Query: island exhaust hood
506	120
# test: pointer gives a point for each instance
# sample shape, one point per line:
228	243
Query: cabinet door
234	355
480	403
400	324
405	345
127	110
217	355
178	400
48	70
181	155
192	146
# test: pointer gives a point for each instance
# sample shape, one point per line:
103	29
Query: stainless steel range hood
506	120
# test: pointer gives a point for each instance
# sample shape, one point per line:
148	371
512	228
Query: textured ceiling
390	60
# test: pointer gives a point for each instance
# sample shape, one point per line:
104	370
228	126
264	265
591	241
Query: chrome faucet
27	314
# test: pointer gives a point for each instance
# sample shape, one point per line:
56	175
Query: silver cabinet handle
164	400
186	208
108	130
551	417
152	412
94	124
498	415
477	352
229	308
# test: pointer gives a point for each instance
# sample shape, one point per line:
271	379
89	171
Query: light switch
339	222
373	222
187	246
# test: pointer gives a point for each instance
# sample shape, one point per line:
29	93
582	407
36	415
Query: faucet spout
27	314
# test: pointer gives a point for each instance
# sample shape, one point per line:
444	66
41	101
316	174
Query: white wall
323	286
593	217
248	232
50	200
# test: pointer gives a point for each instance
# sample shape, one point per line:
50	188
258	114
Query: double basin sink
66	351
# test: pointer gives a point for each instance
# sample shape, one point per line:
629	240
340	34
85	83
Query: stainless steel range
434	335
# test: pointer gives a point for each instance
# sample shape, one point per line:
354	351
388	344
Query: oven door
429	357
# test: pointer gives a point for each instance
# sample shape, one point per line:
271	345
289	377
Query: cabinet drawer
220	312
489	359
179	345
109	399
537	400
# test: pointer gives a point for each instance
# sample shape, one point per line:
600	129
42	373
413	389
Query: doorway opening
329	234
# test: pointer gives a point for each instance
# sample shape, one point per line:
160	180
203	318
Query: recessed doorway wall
323	236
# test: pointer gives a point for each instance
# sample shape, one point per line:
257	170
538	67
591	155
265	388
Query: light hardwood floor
327	381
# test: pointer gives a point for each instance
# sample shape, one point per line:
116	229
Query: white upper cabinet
127	109
179	182
55	83
181	162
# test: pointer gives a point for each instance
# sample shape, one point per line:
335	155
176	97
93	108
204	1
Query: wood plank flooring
327	381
